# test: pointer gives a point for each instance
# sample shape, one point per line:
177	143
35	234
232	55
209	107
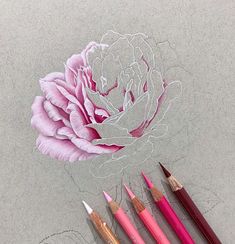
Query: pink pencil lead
107	197
147	180
129	192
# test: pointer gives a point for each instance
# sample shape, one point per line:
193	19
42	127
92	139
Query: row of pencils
149	222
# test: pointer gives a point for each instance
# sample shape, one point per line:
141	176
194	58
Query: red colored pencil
169	213
123	220
191	208
147	219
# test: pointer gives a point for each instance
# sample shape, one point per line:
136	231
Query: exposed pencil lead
147	180
129	192
165	171
107	197
87	207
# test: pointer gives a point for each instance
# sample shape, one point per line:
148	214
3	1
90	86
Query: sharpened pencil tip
147	180
165	171
129	192
87	207
107	197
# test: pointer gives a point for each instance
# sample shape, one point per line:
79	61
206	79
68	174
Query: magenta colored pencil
168	212
124	221
148	220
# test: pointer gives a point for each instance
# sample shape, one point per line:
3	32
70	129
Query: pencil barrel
153	227
103	229
174	221
128	227
196	215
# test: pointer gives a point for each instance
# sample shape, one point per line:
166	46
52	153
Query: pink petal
40	120
53	76
101	115
71	69
61	149
73	100
66	133
56	113
90	148
78	121
53	94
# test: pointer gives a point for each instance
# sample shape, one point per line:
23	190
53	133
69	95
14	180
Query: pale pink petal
52	94
40	120
90	148
89	108
71	68
56	113
66	132
61	149
66	86
53	76
77	121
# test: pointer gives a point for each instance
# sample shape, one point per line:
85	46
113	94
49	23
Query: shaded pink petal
72	66
56	113
77	121
90	148
139	131
61	149
73	100
92	83
52	94
40	120
101	115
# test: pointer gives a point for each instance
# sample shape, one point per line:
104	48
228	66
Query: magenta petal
60	149
90	148
40	120
71	69
53	94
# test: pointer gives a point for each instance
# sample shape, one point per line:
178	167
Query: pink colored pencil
168	212
147	219
124	221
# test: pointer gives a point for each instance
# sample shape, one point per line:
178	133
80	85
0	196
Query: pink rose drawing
107	95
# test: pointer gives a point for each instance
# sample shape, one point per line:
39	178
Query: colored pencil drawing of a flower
109	95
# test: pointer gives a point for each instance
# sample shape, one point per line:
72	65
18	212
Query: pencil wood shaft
102	228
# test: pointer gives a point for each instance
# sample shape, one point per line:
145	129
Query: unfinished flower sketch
109	97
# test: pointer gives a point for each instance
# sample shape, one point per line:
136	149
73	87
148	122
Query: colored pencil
102	228
191	208
169	213
124	220
147	219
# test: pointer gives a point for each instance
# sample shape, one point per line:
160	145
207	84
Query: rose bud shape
108	94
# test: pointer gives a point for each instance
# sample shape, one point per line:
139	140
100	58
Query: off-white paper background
40	198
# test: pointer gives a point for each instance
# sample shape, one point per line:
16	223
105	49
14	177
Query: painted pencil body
174	221
148	220
197	216
131	231
102	228
169	213
124	221
191	208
